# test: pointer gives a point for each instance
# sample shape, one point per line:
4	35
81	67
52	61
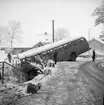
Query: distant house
19	50
39	44
22	49
15	50
96	44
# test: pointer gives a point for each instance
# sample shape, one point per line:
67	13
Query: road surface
94	72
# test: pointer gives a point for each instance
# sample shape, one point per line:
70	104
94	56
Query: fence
2	69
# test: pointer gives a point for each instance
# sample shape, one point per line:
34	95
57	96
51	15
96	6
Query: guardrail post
2	73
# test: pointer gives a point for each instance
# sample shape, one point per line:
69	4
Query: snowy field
66	86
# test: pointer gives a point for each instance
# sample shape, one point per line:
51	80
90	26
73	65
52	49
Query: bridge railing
3	67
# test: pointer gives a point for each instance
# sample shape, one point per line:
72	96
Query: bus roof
39	50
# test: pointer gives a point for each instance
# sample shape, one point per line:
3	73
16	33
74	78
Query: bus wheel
73	57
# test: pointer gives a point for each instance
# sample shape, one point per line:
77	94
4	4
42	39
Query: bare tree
2	35
61	33
13	31
99	13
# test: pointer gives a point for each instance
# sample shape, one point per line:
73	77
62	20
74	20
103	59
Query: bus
63	50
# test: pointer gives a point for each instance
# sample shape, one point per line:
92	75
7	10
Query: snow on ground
66	86
2	56
87	59
83	59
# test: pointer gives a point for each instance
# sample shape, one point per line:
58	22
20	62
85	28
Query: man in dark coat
9	57
55	57
93	55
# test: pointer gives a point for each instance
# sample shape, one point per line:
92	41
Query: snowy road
94	71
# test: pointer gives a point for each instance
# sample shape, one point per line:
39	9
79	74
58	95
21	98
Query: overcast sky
36	17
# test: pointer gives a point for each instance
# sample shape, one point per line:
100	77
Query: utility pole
53	31
89	38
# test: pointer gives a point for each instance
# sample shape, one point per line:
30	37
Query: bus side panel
60	56
65	54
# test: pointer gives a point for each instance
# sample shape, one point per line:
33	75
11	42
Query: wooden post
53	30
3	73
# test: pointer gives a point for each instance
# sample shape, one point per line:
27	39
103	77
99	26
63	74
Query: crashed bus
63	50
67	49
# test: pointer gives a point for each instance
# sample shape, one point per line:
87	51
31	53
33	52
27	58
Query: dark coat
93	55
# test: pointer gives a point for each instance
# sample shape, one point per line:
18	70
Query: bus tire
73	57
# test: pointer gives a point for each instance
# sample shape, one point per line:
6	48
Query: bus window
79	41
69	45
54	49
60	47
82	39
57	48
43	53
48	51
74	43
65	45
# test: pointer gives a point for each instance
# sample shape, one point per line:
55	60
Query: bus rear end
82	46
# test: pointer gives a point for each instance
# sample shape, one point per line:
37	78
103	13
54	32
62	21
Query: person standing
55	57
9	57
93	55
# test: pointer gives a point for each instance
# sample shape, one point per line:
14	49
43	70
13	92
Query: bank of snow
66	86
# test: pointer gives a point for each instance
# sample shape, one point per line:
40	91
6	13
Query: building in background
17	50
39	44
98	45
95	44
